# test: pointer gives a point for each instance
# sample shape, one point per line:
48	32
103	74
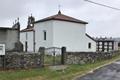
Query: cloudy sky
102	21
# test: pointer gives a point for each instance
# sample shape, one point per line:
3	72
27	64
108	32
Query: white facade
71	35
27	37
39	34
59	34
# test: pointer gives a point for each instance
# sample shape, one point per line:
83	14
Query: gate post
1	62
4	62
63	55
42	52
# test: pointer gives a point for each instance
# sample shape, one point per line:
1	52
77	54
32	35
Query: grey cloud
11	8
102	21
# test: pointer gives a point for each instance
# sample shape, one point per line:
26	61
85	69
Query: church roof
90	37
61	17
27	30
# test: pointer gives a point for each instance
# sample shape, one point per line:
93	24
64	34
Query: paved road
110	72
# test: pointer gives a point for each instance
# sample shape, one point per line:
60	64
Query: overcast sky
102	21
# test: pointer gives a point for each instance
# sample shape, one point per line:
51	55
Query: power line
102	5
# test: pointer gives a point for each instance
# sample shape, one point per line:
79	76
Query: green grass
47	74
50	60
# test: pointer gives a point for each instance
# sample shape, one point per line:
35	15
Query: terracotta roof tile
62	17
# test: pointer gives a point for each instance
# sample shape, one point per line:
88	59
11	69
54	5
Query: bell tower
31	21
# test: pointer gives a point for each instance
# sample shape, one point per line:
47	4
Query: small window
89	45
45	35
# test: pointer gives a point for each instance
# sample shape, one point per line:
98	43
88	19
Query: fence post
63	55
3	62
42	52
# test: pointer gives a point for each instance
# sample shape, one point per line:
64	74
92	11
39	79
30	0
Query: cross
59	7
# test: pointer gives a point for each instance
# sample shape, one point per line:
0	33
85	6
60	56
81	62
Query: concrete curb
91	71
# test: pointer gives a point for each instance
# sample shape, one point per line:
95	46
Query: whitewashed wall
23	38
30	41
39	32
93	45
59	34
27	36
72	36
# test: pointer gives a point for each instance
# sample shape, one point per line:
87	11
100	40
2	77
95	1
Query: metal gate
52	56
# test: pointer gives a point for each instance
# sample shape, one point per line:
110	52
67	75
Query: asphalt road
109	72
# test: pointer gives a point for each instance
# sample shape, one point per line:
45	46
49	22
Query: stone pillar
63	55
42	53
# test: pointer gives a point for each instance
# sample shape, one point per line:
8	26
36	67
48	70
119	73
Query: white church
57	31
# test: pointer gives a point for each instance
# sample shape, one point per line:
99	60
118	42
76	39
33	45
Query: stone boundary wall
15	60
88	57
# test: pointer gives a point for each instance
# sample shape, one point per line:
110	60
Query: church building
57	31
10	38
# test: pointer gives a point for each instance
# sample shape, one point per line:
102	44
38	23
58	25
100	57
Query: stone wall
87	57
15	60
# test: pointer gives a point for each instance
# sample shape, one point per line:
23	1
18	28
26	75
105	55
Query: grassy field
47	74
